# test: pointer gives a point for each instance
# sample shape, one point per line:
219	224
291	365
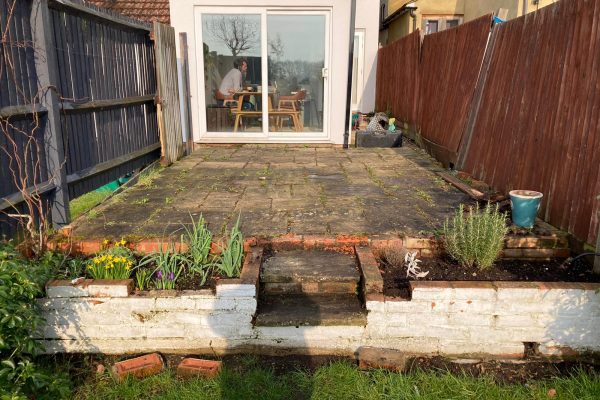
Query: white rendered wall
182	19
367	18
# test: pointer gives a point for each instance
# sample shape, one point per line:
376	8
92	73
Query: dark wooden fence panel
538	125
398	77
98	120
450	64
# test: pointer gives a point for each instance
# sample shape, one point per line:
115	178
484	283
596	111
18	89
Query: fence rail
77	92
520	110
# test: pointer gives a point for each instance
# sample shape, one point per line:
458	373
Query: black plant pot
377	139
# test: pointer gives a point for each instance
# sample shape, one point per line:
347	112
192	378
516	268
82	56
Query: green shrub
476	237
21	281
169	264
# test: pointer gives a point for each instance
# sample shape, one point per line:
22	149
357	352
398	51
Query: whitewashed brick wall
481	318
474	318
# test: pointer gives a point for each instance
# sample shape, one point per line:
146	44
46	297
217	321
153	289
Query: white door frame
265	135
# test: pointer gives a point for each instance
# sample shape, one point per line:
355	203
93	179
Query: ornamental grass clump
199	260
113	263
476	237
169	264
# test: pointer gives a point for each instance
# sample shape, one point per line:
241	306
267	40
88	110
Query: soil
445	269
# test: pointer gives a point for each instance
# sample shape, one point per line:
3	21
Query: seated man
232	82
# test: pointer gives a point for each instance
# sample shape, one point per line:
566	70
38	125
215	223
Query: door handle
324	73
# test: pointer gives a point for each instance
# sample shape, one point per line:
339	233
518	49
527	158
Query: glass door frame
264	135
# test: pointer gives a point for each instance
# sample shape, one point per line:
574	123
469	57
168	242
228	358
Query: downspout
414	18
525	7
347	122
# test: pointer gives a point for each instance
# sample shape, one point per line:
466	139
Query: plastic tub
525	205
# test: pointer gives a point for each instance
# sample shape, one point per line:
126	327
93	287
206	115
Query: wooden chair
290	106
228	101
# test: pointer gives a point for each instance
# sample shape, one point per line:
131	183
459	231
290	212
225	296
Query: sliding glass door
262	73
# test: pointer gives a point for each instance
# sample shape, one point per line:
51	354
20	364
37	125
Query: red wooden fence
527	115
538	126
397	77
450	64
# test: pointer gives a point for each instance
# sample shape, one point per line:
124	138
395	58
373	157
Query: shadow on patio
281	189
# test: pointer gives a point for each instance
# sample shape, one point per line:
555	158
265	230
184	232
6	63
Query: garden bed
396	283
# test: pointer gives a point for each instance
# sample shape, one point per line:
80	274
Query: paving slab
283	189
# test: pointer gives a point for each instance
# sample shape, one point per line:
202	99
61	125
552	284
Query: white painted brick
236	290
521	321
508	335
471	306
176	303
409	344
474	294
427	319
93	331
165	331
67	291
442	332
413	306
469	319
245	305
461	347
519	294
98	290
377	306
432	294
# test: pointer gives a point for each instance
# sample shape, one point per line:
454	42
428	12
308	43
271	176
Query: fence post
47	72
597	257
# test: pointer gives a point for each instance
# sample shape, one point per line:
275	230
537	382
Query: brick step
312	271
310	310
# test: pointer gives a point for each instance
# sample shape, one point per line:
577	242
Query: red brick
472	285
194	367
371	357
139	367
251	268
429	285
87	246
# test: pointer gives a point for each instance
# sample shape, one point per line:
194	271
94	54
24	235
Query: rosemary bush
476	237
230	263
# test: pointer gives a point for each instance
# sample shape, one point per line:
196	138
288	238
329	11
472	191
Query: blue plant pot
525	205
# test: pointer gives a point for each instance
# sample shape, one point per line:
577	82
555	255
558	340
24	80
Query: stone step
312	271
310	310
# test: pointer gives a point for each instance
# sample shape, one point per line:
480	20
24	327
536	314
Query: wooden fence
520	110
77	93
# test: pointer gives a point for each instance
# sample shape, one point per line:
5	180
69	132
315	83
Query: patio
283	189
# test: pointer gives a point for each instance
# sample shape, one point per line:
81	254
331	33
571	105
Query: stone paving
304	190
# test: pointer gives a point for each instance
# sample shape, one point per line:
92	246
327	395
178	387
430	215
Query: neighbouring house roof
145	10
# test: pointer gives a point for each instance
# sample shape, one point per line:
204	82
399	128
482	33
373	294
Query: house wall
470	10
183	20
367	18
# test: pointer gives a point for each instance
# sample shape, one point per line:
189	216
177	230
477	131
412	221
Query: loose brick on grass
372	357
195	367
139	367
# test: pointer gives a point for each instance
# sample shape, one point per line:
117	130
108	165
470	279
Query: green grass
339	380
84	203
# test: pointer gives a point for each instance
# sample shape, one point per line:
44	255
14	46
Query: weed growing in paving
476	237
142	201
148	176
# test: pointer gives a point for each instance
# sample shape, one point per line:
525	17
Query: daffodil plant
112	263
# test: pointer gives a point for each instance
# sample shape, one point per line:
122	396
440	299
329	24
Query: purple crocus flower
159	275
171	276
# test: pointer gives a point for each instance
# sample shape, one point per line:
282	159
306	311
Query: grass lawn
338	380
86	202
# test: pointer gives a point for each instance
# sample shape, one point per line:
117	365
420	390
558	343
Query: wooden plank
168	93
86	11
21	111
16	198
185	71
454	181
108	165
104	104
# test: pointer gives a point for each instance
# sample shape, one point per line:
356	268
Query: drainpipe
525	7
347	121
414	18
